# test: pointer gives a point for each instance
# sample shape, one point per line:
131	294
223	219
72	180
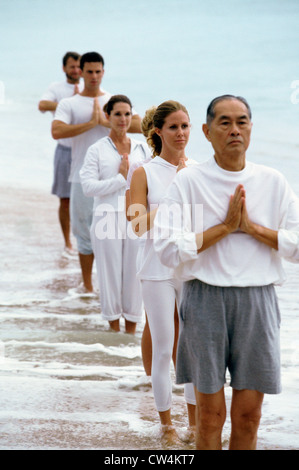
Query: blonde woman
167	128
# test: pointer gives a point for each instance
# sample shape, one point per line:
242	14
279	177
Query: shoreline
115	415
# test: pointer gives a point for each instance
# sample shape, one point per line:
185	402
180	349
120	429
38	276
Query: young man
62	158
82	119
230	259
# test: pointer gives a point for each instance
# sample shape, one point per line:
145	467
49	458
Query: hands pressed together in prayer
124	165
237	216
237	219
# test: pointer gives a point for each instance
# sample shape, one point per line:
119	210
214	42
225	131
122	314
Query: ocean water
66	380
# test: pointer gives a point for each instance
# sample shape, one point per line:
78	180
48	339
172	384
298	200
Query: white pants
115	257
159	299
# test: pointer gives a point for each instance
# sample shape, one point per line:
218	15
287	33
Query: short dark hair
211	107
116	99
73	55
91	57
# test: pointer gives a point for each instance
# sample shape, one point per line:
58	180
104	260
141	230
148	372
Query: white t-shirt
78	110
238	259
100	177
159	175
56	92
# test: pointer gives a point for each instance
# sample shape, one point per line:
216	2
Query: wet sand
67	381
49	400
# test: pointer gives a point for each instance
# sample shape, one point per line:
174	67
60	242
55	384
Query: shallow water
67	381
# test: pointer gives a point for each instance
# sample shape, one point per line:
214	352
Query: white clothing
134	167
78	110
159	299
141	240
114	248
56	92
100	177
120	290
159	175
238	259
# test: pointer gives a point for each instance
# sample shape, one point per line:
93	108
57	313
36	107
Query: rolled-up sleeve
288	243
176	250
288	234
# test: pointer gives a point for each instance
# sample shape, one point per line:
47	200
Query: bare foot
189	435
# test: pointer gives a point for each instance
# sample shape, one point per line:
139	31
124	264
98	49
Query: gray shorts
229	328
81	210
62	166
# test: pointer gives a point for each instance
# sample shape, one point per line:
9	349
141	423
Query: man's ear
206	131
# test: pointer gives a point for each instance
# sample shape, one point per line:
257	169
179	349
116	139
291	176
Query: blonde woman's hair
155	118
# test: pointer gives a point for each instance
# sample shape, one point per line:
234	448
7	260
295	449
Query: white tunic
159	175
115	251
238	259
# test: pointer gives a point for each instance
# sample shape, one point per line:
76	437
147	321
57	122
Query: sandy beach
67	381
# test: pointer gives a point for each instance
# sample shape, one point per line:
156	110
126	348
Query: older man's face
230	130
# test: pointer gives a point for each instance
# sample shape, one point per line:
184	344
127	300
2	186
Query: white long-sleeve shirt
198	199
100	177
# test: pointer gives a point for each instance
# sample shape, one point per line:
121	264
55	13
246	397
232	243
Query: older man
230	259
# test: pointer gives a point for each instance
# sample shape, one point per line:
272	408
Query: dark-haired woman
103	176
